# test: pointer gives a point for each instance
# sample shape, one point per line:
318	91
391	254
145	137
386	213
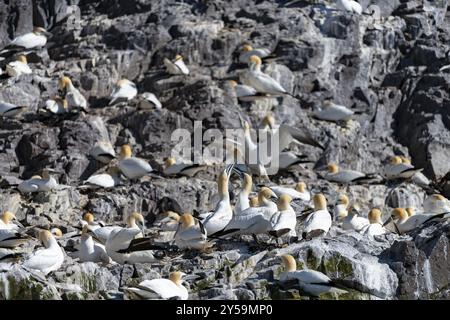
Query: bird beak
388	221
273	197
142	227
18	223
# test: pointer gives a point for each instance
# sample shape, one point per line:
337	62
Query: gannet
132	167
103	151
156	289
174	167
254	202
48	259
169	221
319	222
10	238
299	193
287	134
136	221
341	208
217	219
353	221
242	201
333	112
88	250
106	180
73	96
6	221
262	82
10	110
287	159
191	235
403	223
375	228
248	51
18	67
39	184
88	220
284	220
436	203
56	105
150	101
177	66
31	40
123	247
124	90
349	5
253	220
56	232
246	93
311	282
410	211
398	169
335	174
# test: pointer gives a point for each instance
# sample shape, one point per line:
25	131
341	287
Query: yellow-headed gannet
248	51
299	193
73	96
335	174
56	105
56	232
262	82
341	208
157	289
310	282
398	169
168	221
106	180
132	167
319	222
124	90
403	223
48	259
353	221
174	167
191	235
246	93
177	66
30	40
18	67
90	251
435	204
6	221
242	201
284	220
375	228
39	184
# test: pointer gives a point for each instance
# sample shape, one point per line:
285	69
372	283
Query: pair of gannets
335	174
124	90
174	167
333	112
404	223
74	97
39	184
191	235
132	167
177	66
10	110
299	193
218	219
400	168
312	282
47	259
165	289
253	220
18	67
319	222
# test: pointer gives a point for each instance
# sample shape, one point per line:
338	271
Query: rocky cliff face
387	65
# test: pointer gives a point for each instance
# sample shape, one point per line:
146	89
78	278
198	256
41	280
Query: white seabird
174	167
248	51
177	66
312	282
150	101
319	222
91	251
353	221
10	110
124	90
191	235
243	201
403	223
435	204
56	105
18	67
262	82
103	151
156	289
341	208
73	96
31	40
349	5
48	259
333	112
106	180
335	174
39	184
398	169
375	228
132	167
284	220
6	221
299	193
246	93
